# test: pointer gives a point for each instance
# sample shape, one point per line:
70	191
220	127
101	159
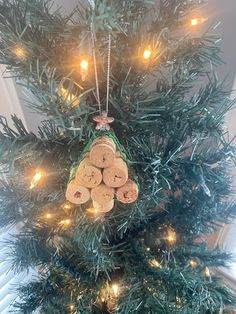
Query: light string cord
108	71
95	71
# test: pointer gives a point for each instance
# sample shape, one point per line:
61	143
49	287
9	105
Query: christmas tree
151	66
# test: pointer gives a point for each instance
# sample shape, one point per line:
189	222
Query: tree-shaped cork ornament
103	172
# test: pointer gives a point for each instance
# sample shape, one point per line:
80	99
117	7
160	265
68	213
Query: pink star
103	121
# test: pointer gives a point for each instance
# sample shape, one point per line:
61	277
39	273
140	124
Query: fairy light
198	21
207	272
66	207
171	236
93	211
65	222
35	180
178	302
148	249
155	263
84	65
147	53
68	96
48	215
193	264
115	289
20	52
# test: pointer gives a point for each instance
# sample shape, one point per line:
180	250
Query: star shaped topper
103	121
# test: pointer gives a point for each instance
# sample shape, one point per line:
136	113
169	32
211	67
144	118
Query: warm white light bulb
147	53
84	65
155	263
115	289
20	52
198	21
36	178
171	236
207	272
193	263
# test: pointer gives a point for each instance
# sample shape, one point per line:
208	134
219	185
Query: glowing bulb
115	289
198	21
36	178
92	210
48	216
66	206
171	236
103	300
68	96
178	301
148	249
72	307
147	53
19	52
84	65
207	272
193	264
65	222
155	263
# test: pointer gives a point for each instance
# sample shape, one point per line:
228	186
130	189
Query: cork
128	193
87	174
76	193
102	194
116	175
102	152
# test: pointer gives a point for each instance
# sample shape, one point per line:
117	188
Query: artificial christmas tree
144	64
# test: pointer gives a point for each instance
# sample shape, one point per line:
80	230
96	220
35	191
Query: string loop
108	71
96	72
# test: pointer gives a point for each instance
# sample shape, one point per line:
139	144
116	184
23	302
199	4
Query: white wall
9	101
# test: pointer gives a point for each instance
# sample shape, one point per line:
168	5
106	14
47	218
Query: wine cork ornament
128	193
87	174
77	194
102	194
116	175
102	152
103	208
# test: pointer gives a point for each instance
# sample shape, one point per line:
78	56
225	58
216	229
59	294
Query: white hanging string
108	71
96	73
